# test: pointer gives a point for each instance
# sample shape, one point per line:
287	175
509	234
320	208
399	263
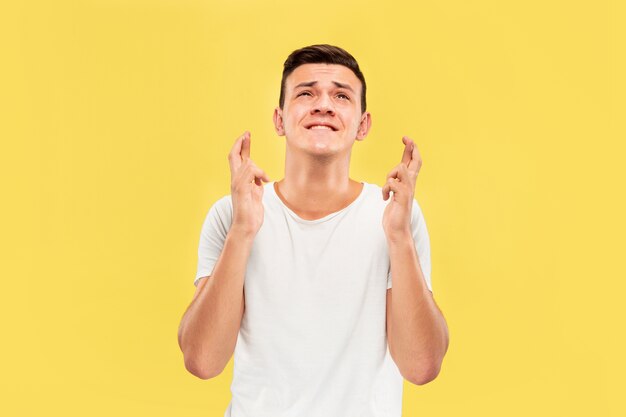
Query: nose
323	105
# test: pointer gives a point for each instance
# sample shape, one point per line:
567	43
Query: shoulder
374	193
374	200
220	213
223	205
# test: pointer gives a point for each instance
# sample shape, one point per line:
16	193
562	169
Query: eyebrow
312	83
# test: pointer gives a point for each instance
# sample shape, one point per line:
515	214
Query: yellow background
116	120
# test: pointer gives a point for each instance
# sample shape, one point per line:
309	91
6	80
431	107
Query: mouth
321	126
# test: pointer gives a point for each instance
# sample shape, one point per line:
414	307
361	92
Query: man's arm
208	330
417	332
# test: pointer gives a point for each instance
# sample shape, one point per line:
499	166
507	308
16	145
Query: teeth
320	127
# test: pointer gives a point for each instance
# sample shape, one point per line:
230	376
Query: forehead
323	74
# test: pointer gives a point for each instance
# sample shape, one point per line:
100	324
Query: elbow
423	374
197	364
201	369
427	370
419	372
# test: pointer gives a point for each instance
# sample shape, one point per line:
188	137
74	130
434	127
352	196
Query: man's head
321	54
322	102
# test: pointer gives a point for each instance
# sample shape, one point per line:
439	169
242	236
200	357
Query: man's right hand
246	188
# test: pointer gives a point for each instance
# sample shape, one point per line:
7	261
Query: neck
315	186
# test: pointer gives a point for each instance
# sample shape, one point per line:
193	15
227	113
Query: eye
304	92
341	94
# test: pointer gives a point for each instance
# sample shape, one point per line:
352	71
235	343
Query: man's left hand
401	181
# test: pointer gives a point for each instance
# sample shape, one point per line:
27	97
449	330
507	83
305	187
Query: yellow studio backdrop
116	121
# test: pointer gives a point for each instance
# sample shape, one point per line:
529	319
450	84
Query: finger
260	175
245	147
416	160
403	174
244	175
401	190
390	185
393	173
258	172
385	192
234	157
408	147
252	173
258	192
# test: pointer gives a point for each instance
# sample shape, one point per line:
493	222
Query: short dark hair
321	54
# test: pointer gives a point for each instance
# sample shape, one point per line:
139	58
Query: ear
278	121
364	126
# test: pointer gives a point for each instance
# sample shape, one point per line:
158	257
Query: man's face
321	114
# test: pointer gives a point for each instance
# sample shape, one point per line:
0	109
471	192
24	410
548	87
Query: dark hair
320	54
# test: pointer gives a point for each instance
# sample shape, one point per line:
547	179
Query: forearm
418	331
209	328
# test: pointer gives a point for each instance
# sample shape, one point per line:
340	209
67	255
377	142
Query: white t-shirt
312	341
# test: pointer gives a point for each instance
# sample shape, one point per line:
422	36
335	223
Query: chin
324	150
317	144
329	144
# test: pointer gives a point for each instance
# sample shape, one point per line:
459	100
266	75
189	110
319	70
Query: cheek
293	117
356	125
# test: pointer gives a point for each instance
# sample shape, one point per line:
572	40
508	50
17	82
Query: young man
295	276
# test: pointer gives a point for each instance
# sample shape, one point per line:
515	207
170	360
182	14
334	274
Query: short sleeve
214	230
422	244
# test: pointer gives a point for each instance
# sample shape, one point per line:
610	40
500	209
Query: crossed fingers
411	156
239	151
404	175
241	166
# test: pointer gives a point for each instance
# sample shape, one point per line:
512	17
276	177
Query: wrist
241	234
399	237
